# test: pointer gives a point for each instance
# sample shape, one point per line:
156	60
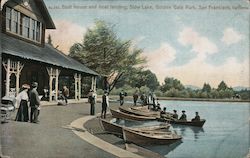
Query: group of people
92	97
145	99
28	97
156	106
183	116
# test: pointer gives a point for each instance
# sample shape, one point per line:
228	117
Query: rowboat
126	116
139	108
111	127
159	128
182	122
149	137
117	129
144	112
189	123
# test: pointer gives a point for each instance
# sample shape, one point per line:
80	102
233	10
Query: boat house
26	58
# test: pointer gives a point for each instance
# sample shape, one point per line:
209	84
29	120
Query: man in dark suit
34	103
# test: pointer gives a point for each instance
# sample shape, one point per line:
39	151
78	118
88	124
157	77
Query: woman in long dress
22	100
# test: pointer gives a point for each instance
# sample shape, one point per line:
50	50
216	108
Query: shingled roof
46	54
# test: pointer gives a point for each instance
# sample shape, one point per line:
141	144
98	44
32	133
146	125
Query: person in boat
105	104
175	116
183	116
197	117
22	100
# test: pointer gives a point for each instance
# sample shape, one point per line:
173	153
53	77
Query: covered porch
26	63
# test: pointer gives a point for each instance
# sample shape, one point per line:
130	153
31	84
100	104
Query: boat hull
190	123
111	127
126	116
139	112
146	139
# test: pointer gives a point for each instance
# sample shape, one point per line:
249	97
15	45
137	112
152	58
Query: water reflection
183	130
163	149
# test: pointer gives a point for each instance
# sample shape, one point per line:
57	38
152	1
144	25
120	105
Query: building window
15	20
32	29
8	18
38	31
23	25
26	26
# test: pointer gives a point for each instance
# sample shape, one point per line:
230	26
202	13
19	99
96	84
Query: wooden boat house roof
46	54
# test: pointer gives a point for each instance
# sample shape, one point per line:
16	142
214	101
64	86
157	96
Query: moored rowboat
126	116
111	127
144	112
117	129
149	137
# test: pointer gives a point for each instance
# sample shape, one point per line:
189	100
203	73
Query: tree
50	40
140	77
222	86
107	54
206	88
170	83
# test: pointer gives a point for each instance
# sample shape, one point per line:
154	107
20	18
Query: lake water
225	134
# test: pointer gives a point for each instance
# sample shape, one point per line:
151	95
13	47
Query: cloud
230	36
200	44
197	72
159	58
66	34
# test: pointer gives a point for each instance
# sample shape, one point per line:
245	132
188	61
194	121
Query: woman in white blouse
22	100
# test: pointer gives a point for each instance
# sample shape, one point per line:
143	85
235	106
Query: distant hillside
192	87
239	88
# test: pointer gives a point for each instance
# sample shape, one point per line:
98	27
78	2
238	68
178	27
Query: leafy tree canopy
170	83
222	86
206	88
139	78
102	51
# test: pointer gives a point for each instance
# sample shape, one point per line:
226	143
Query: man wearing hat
183	116
197	117
175	116
34	103
92	100
105	104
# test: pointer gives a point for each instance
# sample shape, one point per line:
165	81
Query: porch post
8	78
92	82
50	84
17	77
75	76
93	85
79	86
56	86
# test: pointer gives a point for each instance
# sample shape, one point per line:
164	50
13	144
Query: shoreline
116	97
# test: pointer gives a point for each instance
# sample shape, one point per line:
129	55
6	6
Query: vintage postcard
125	78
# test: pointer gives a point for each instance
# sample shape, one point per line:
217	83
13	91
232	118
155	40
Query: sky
195	41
